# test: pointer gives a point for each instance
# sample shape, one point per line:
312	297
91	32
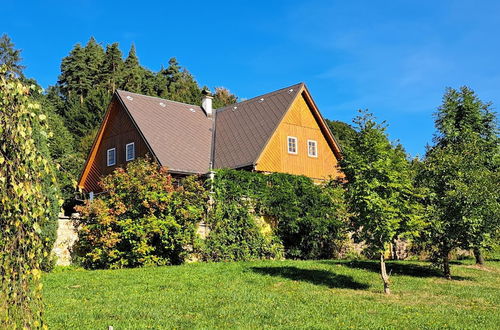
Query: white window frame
108	158
315	148
296	145
126	151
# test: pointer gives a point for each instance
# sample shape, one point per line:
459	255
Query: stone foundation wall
66	237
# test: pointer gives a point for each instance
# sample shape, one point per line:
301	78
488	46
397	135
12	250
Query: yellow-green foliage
144	218
26	204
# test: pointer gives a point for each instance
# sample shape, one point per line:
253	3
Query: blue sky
394	58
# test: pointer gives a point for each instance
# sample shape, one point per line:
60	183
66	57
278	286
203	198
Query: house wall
299	122
119	130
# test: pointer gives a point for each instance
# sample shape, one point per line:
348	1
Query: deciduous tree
379	189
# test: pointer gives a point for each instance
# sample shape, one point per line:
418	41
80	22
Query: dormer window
111	157
312	148
292	145
130	152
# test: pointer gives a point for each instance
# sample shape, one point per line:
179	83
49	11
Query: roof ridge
259	96
156	97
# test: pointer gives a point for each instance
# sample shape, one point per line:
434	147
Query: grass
285	294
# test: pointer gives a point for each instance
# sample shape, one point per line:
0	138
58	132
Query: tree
132	72
223	97
180	84
94	58
461	173
343	132
28	198
10	57
379	189
74	79
145	218
112	67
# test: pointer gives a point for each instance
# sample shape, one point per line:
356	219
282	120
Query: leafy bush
144	217
308	219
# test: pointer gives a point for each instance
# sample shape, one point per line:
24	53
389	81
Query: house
282	131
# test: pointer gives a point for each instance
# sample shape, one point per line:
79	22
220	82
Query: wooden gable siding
299	122
117	131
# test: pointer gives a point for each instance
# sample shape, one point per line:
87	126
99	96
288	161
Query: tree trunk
446	265
479	256
383	274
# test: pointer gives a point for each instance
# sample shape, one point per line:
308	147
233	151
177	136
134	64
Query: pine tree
112	68
132	73
181	85
10	57
94	58
74	79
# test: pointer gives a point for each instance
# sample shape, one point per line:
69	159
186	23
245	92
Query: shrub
144	217
308	219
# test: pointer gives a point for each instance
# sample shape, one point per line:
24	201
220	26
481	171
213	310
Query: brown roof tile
241	133
179	134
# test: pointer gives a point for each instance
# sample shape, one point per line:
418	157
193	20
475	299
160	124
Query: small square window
292	145
312	148
111	157
130	152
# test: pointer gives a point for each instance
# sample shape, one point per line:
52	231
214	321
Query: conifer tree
74	80
112	67
132	73
10	57
94	58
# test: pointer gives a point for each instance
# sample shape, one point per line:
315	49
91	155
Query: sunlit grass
289	294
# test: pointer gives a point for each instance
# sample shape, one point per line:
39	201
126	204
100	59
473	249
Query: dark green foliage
112	68
132	72
307	218
235	233
461	172
145	218
343	132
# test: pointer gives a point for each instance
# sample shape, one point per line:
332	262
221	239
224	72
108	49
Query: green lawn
287	294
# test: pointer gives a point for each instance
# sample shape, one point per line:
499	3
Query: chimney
206	102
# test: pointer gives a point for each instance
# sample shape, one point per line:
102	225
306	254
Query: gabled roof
179	134
243	129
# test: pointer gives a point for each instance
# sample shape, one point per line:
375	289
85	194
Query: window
312	148
130	151
111	157
292	145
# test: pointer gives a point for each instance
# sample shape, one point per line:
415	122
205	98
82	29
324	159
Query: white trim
108	158
126	151
315	148
296	145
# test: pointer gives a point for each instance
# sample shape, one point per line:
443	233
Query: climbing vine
26	204
268	216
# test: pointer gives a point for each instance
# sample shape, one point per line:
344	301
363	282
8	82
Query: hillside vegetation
285	294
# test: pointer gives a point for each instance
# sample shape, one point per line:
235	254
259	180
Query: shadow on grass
314	276
394	268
